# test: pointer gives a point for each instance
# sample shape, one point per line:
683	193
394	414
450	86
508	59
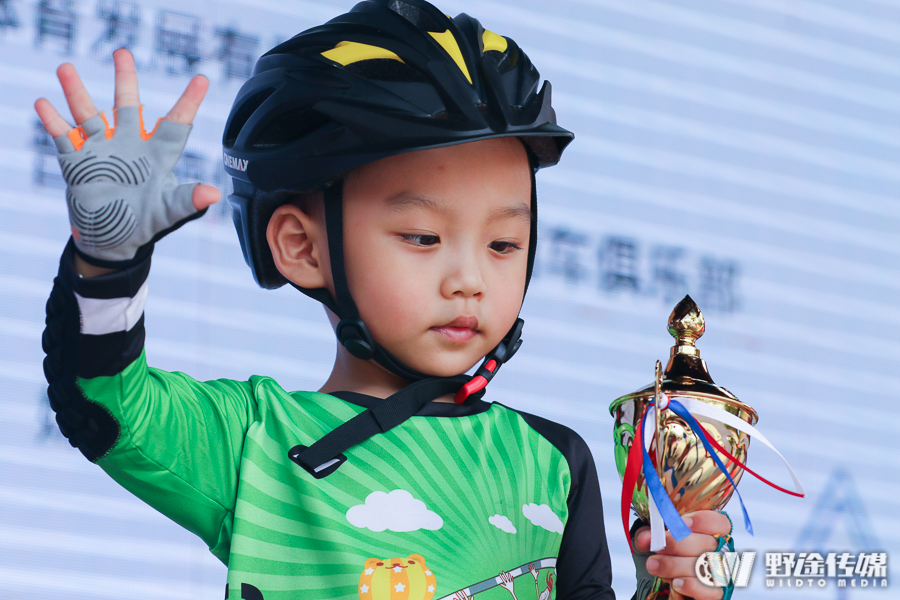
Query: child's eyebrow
519	211
405	200
402	201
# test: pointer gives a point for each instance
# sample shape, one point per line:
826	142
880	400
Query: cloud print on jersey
394	511
543	516
502	523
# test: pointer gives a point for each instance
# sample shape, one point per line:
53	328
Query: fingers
127	94
186	108
205	195
677	562
126	79
704	524
710	522
680	570
79	100
52	121
693	545
669	567
691	587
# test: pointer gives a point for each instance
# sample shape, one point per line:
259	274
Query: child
384	165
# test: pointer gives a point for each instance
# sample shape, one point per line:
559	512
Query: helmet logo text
238	164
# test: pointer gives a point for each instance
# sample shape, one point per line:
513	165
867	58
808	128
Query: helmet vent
416	16
243	114
289	127
310	50
506	61
386	69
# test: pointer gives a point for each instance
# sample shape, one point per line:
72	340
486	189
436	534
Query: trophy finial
686	323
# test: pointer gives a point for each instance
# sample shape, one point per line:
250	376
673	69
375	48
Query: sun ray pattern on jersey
442	462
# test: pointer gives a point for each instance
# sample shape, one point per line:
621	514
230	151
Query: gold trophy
688	473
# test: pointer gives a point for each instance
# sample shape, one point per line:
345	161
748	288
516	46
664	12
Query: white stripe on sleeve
99	317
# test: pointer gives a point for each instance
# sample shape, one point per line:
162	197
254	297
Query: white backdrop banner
743	151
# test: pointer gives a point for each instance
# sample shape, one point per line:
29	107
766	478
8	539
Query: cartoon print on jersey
397	579
545	595
394	511
248	592
506	581
543	516
537	588
502	523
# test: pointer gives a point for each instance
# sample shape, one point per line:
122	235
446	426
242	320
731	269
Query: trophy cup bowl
689	475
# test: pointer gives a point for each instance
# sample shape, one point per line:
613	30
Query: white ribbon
657	525
702	409
698	407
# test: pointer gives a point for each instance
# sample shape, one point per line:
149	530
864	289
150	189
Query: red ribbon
629	479
718	447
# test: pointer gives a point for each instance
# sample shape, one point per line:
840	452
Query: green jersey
456	501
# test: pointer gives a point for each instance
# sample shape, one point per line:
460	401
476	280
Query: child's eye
504	247
421	239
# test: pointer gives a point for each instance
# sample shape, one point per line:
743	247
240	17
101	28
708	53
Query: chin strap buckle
499	355
355	337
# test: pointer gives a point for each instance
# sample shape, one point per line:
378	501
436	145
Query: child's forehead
488	172
470	156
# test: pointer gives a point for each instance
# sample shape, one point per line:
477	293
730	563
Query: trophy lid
686	373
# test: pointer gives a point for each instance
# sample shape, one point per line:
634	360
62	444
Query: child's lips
461	329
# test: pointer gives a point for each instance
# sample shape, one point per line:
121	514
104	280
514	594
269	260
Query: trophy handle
660	428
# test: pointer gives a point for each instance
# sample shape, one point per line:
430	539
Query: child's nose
464	278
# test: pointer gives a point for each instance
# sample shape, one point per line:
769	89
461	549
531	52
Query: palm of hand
127	99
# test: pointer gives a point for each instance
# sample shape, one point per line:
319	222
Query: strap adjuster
505	350
355	337
321	471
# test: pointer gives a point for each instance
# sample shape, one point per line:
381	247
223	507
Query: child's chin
447	368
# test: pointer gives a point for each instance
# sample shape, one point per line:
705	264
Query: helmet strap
532	239
351	332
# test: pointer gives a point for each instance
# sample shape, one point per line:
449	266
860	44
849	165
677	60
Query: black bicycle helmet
390	76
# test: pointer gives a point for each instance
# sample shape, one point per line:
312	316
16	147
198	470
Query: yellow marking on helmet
347	53
492	41
448	43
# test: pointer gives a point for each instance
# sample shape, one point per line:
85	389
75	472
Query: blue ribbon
666	508
679	409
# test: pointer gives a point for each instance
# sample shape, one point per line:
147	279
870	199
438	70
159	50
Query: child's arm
173	441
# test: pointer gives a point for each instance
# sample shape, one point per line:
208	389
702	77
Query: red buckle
482	376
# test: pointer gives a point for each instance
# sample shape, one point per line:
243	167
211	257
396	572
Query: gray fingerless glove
645	581
122	194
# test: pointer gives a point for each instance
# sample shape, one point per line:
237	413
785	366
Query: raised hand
506	581
676	562
122	194
546	594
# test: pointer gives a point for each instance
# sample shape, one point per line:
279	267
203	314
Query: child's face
436	250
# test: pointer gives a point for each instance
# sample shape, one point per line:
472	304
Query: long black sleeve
583	567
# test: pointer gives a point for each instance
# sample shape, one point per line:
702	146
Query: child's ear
298	244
